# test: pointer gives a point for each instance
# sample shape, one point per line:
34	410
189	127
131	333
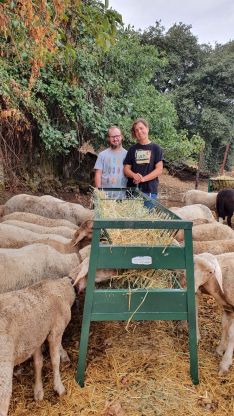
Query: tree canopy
69	70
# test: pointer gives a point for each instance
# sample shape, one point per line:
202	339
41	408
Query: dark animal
225	204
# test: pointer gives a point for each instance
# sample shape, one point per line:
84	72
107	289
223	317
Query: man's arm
154	174
130	174
98	178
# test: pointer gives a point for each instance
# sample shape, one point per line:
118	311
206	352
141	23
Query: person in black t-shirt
143	163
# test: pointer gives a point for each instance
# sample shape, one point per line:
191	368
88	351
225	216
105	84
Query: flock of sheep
43	239
213	245
35	251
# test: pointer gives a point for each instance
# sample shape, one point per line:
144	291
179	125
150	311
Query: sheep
194	212
213	246
195	196
197	213
79	274
83	235
41	229
16	237
27	318
38	219
225	205
12	236
30	264
213	231
214	274
48	206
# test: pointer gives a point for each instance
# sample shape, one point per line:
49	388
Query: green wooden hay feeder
145	304
221	182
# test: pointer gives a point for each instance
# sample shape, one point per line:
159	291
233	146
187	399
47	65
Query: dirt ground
171	192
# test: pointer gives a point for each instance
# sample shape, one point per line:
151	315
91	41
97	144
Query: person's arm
130	174
154	174
98	178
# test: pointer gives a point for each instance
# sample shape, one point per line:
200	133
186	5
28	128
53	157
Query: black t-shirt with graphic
143	158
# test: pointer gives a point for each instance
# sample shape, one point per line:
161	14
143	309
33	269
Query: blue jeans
149	204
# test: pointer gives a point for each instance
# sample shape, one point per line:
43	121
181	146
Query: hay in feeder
221	182
133	209
146	279
142	372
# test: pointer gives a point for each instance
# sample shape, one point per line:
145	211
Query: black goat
225	204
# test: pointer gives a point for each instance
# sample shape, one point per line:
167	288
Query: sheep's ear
218	274
79	235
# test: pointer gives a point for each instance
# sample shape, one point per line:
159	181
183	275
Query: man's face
141	132
115	138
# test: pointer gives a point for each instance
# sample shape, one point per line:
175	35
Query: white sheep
194	212
12	236
48	206
38	219
80	273
41	229
213	231
27	318
195	196
213	246
22	267
197	213
214	274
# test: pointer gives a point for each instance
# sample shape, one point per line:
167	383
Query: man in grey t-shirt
109	164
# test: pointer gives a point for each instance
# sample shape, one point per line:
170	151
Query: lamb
22	267
195	196
225	204
48	206
214	231
213	246
27	318
38	219
41	229
214	274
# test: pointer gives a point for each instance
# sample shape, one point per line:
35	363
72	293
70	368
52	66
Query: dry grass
140	372
131	209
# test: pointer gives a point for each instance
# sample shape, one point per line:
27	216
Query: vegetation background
70	69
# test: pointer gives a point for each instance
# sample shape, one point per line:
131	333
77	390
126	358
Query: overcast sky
211	20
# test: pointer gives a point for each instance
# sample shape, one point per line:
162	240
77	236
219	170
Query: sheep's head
80	279
206	268
84	232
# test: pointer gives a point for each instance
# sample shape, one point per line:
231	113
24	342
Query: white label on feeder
142	260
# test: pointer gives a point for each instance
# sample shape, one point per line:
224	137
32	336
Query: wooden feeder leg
84	337
191	307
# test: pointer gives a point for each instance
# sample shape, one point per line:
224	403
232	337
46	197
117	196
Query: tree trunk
2	182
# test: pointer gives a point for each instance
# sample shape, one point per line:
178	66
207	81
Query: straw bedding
140	372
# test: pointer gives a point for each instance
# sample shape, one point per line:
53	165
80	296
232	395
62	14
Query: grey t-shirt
110	162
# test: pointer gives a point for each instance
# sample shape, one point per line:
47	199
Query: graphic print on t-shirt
142	156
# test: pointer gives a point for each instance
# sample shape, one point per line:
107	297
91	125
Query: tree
199	81
205	103
180	50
